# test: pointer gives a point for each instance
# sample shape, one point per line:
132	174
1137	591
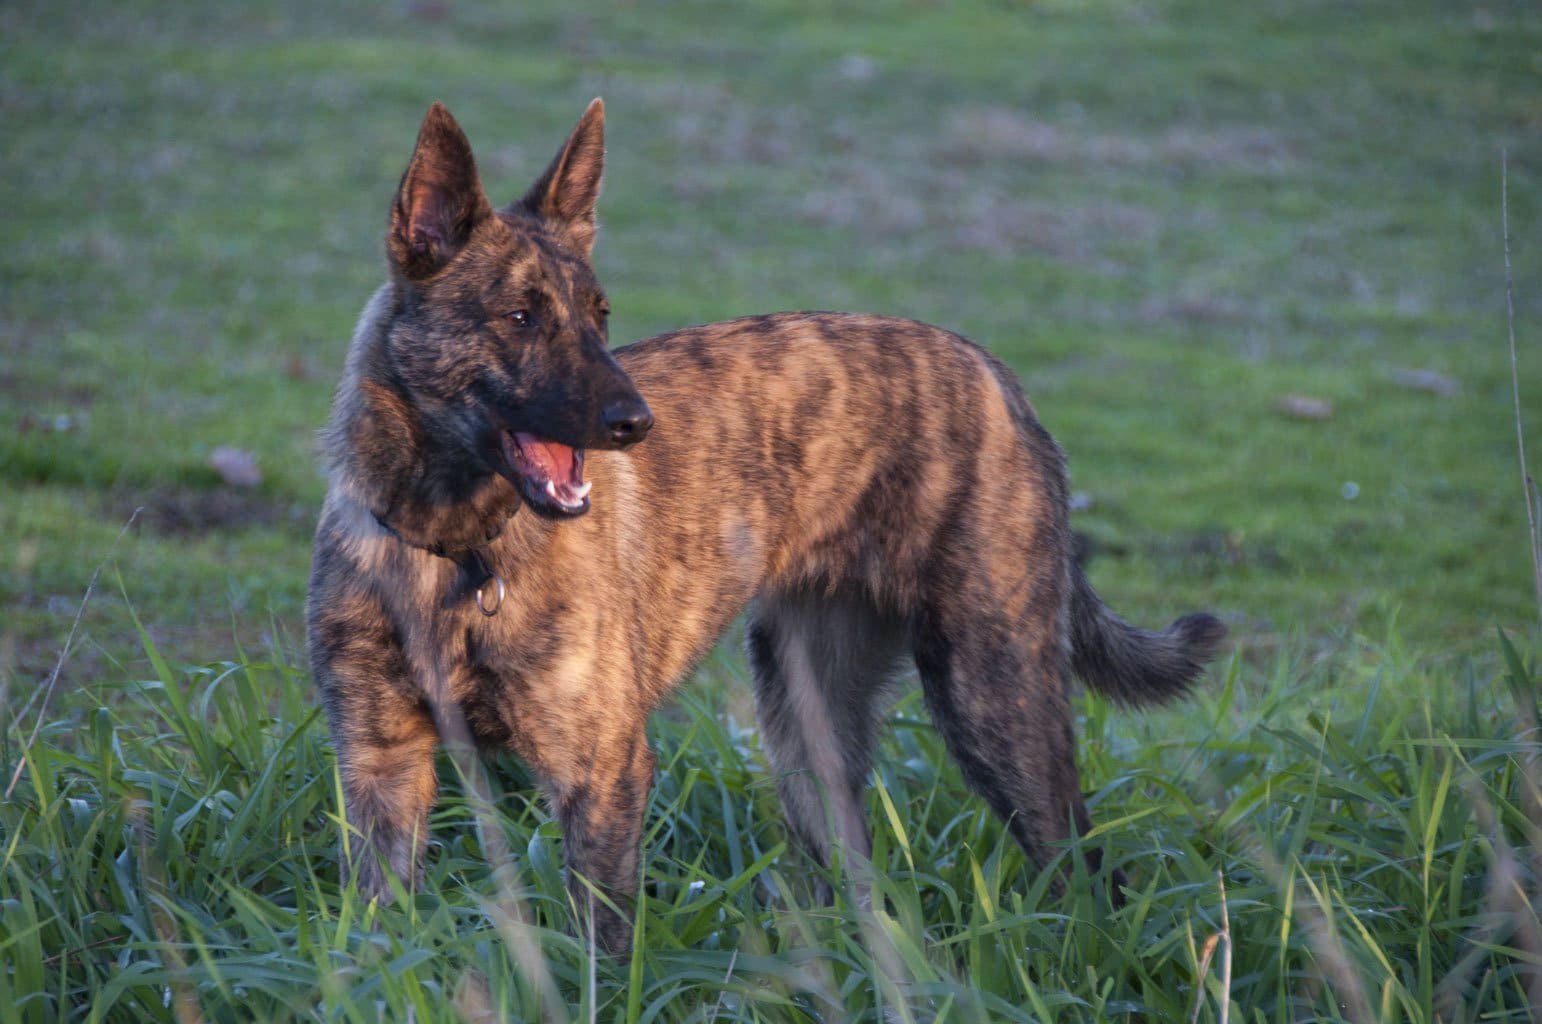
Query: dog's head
499	334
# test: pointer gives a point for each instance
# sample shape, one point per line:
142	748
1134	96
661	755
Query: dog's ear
565	195
440	200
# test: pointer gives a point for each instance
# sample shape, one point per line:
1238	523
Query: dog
530	538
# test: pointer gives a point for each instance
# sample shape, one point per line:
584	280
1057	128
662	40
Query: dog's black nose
628	422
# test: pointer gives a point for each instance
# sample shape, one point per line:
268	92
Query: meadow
1249	261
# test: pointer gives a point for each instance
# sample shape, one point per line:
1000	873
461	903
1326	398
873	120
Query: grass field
1248	262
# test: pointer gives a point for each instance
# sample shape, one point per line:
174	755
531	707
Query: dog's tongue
553	460
554	468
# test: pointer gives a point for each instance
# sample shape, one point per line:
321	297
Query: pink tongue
554	460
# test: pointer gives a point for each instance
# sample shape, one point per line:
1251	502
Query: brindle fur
873	490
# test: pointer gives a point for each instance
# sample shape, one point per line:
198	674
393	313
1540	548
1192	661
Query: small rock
857	67
1304	407
236	467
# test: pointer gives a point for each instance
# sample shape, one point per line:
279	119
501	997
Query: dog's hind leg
998	696
820	665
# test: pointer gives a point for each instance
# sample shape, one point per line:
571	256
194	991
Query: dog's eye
519	318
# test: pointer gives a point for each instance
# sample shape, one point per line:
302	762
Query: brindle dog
495	553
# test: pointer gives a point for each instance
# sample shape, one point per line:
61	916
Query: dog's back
818	451
882	489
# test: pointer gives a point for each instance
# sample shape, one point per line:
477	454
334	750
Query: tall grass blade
1528	485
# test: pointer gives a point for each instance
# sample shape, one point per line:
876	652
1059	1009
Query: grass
1167	216
176	855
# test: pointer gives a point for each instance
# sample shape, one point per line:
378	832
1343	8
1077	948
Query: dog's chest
506	673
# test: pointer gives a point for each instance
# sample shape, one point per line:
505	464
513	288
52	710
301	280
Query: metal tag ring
497	601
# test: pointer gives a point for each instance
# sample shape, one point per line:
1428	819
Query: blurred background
1247	259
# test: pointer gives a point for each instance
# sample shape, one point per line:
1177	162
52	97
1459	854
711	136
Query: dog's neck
427	489
420	489
475	565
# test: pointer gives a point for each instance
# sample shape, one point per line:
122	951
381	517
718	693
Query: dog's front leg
385	757
388	793
601	813
382	731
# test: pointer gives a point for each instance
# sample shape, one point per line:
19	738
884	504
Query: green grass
1165	215
176	853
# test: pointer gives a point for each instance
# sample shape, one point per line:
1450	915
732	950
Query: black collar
473	563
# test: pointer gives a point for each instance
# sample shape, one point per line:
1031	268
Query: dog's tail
1135	666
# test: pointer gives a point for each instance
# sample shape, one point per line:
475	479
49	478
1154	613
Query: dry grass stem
1218	940
507	910
64	653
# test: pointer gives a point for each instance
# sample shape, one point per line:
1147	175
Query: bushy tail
1136	666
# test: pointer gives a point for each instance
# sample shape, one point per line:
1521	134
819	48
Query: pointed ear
440	200
565	195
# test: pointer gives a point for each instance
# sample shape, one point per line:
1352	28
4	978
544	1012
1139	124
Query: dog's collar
473	562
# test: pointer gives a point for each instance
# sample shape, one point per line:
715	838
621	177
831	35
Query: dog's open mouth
550	475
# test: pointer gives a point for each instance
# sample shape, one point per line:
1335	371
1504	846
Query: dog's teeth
551	490
583	492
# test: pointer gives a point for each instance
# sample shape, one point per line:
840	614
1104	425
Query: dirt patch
999	132
173	511
876	203
865	198
1196	310
1209	553
717	128
1006	227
